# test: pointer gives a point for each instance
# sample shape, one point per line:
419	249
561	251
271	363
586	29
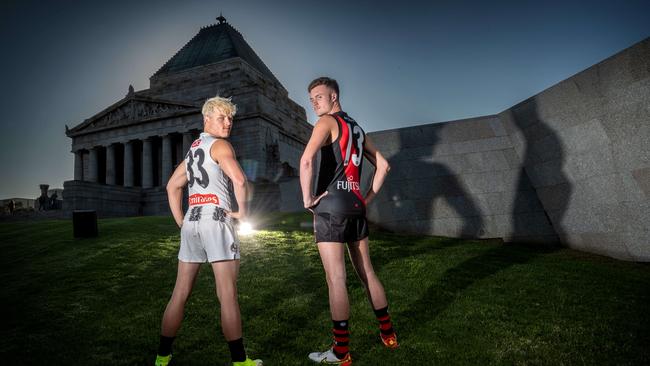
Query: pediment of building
132	110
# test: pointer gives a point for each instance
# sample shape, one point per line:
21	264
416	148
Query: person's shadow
542	186
417	184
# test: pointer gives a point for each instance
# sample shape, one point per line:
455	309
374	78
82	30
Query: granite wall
585	146
569	165
460	179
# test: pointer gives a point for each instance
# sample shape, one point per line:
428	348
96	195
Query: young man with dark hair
340	213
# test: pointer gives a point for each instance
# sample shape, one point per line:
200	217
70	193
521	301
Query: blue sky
399	63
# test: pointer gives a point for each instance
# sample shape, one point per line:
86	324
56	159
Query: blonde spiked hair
223	104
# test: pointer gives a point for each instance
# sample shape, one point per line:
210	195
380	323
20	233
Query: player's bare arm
223	153
323	132
175	187
374	156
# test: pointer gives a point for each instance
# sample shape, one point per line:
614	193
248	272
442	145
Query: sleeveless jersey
208	185
340	169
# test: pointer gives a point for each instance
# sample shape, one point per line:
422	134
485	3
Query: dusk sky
399	63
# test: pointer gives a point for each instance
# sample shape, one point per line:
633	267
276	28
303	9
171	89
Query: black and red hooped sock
385	325
341	338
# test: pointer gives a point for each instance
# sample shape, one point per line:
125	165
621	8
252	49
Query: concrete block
502	225
537	131
497	126
623	117
478	183
632	155
614	188
535	223
600	190
412	153
592	163
443	149
466	130
579	219
427	188
500	181
507	119
545	149
418	136
611	218
486	227
642	179
497	203
483	162
584	137
611	245
638	245
455	206
636	216
525	201
448	164
417	169
523	114
546	174
514	162
520	145
555	197
489	144
446	227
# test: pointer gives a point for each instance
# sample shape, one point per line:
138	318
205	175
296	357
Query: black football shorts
338	228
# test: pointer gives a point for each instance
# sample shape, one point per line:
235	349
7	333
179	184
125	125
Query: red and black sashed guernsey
340	170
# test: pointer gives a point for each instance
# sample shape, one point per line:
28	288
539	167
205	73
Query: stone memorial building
125	154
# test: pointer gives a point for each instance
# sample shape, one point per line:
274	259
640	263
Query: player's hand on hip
236	215
313	201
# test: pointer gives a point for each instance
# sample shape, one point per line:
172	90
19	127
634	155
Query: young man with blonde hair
340	213
207	232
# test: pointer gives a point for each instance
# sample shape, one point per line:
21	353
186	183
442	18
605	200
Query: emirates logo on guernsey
196	143
202	199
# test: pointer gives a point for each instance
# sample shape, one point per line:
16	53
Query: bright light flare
246	228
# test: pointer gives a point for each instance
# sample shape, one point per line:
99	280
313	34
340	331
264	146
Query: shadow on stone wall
441	183
542	160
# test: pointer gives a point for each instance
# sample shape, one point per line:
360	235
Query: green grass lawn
454	302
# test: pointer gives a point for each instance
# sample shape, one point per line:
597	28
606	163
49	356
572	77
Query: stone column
78	165
110	164
147	163
167	163
128	164
93	167
187	142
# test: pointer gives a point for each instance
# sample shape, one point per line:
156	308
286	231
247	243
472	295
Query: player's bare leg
360	256
225	277
333	257
173	316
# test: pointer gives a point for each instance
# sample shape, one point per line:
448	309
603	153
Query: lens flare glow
246	228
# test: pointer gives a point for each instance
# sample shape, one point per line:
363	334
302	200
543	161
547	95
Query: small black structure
84	223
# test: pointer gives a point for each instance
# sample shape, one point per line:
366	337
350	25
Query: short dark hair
324	80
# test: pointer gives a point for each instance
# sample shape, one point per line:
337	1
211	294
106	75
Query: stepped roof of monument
135	108
214	43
